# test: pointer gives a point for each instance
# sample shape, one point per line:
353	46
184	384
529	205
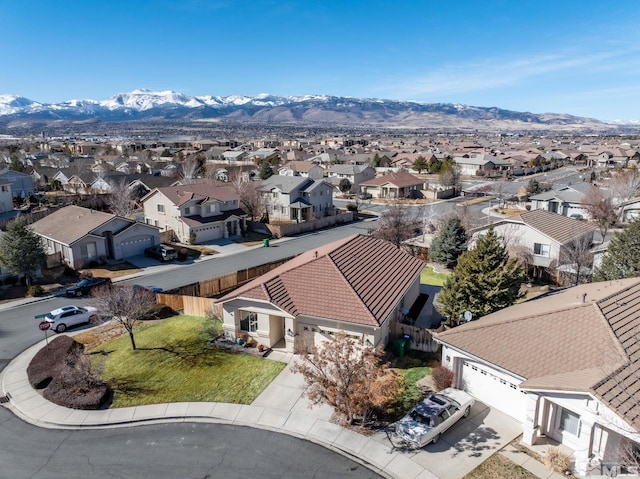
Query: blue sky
563	56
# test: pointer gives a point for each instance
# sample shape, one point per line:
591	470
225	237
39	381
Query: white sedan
433	416
62	318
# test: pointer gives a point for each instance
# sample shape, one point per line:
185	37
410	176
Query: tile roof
71	223
567	341
557	227
400	179
359	279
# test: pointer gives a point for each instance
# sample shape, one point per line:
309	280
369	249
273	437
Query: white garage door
490	387
136	246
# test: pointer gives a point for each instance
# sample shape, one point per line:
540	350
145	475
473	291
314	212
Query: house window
248	321
569	422
540	249
187	211
161	209
88	251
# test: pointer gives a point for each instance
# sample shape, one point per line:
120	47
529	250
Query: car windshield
416	416
84	282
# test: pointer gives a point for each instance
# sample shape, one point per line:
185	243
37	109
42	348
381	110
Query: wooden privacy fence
421	338
197	299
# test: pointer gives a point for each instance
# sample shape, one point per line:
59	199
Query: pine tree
622	258
420	164
266	171
485	280
21	250
450	243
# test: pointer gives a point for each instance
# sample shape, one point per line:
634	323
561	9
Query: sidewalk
282	407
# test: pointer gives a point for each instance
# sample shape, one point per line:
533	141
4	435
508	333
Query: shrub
556	460
159	311
93	264
35	290
351	207
442	377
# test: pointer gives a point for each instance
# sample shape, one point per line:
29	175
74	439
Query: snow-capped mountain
143	104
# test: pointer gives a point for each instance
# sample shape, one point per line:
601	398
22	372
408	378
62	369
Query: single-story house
565	201
336	287
81	235
393	185
481	164
306	169
566	365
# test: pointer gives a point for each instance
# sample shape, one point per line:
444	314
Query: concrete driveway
460	450
463	447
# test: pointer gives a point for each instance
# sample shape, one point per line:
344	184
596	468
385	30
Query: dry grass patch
112	270
499	467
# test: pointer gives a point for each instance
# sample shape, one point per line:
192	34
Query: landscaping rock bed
222	342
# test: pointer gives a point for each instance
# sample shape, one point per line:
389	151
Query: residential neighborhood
546	349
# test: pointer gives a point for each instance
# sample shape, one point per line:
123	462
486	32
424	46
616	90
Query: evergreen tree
420	164
21	250
622	258
485	280
345	186
533	187
450	243
265	170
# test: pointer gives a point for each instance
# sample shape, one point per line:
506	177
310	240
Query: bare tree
124	304
348	376
601	208
397	223
251	200
625	184
121	201
576	259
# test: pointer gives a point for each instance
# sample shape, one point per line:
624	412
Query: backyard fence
421	338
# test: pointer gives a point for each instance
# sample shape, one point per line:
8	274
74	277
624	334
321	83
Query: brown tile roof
181	194
557	227
400	179
561	342
69	224
359	279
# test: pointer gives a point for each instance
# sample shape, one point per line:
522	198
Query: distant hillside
294	110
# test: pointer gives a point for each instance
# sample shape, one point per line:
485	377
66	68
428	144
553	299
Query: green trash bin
265	242
399	347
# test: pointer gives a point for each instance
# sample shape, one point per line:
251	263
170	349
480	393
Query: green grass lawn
173	363
429	276
411	394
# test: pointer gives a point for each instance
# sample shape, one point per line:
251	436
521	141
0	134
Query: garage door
493	389
135	246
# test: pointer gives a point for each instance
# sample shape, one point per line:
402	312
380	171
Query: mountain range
287	110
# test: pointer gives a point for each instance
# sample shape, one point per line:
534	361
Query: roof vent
316	254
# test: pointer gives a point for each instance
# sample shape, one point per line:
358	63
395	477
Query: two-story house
196	213
6	197
356	174
295	198
21	183
541	237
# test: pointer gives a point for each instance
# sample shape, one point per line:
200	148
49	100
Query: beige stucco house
208	211
358	285
565	365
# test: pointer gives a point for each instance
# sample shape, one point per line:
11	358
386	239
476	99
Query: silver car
62	318
433	416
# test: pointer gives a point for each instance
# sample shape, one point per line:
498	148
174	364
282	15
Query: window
248	321
569	422
88	251
161	209
187	211
540	249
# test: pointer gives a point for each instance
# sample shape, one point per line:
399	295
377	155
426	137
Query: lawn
173	363
429	276
412	394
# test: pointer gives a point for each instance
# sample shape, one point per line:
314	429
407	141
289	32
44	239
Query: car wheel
435	439
93	319
78	293
61	328
467	411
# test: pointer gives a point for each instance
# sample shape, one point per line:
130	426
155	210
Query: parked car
86	285
433	416
161	252
67	316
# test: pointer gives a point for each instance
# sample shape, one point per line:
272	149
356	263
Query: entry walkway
282	407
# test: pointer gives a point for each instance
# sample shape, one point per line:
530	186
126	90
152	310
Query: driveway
463	447
460	450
